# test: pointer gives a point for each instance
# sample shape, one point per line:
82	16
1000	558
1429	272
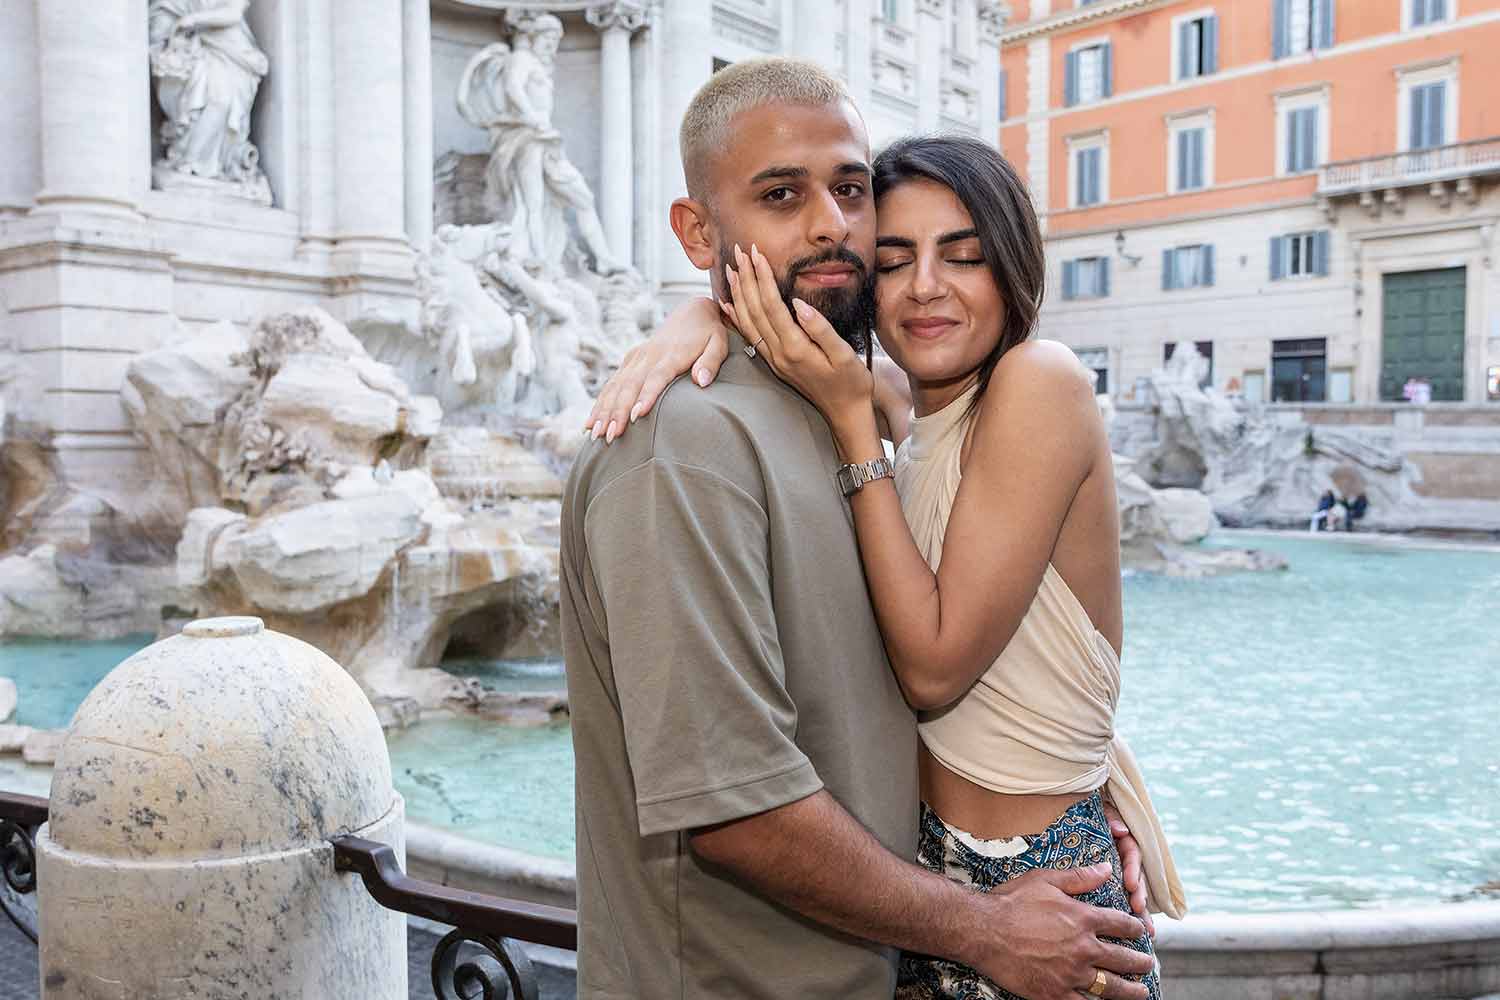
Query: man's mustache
837	255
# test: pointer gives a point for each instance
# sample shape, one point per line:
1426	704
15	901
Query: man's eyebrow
907	243
791	173
784	173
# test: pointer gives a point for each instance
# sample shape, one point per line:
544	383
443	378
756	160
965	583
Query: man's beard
850	311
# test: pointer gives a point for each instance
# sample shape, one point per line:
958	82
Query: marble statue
207	69
507	90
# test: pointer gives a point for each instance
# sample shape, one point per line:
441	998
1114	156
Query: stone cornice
1111	10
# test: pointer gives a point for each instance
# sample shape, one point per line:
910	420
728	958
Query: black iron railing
480	957
20	816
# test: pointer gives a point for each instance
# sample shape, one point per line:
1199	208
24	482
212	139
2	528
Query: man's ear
694	228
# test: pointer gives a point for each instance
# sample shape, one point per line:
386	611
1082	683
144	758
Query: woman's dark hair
1003	216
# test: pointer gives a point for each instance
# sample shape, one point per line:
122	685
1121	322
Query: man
746	766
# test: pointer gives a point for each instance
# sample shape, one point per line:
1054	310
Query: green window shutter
1208	265
1278	258
1168	281
1103	265
1210	44
1070	79
1070	279
1281	43
1185	60
1107	69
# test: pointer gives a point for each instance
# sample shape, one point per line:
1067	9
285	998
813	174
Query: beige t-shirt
723	660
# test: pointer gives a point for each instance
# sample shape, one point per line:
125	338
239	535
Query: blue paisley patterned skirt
1078	838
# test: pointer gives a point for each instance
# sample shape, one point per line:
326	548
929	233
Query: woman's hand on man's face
804	351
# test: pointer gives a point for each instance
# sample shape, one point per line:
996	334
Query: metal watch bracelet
852	477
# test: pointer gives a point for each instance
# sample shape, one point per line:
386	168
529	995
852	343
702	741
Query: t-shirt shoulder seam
655	460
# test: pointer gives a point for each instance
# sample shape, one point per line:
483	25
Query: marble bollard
187	850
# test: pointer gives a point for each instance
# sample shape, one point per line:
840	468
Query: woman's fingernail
598	429
635	412
701	377
614	430
799	306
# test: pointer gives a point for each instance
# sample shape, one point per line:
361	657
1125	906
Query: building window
1425	12
1299	370
1087	73
1205	351
1088	170
1301	131
1096	360
1301	26
1299	255
1086	278
1191	154
1492	383
1197	43
1302	140
1004	80
1428	115
1189	266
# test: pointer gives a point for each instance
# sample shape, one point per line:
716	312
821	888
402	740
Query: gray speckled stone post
187	854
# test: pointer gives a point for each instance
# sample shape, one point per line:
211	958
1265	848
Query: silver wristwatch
852	477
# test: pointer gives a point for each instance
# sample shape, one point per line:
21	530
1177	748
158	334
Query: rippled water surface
1321	738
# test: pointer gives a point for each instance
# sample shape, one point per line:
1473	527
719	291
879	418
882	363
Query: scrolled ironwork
481	957
20	816
467	965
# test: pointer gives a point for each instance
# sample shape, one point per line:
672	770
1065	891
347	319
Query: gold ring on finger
1100	981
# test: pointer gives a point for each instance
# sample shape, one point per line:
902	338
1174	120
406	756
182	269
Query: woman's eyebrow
907	243
956	235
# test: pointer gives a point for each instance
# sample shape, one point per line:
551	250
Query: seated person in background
1320	516
1355	511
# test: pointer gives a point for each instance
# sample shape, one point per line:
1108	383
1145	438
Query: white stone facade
97	264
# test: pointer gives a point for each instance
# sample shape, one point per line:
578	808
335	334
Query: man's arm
1028	935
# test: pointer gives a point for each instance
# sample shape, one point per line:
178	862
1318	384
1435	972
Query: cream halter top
1040	720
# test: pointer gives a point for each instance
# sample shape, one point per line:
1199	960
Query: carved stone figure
207	68
508	91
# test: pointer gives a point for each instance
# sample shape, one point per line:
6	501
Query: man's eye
884	266
779	194
966	260
850	190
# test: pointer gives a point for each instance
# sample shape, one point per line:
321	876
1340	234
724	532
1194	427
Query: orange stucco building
1307	189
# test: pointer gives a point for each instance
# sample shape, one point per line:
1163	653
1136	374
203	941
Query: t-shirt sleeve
681	559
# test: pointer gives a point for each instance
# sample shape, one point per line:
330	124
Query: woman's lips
929	328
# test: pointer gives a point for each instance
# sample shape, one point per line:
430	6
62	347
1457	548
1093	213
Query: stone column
859	31
929	64
87	105
992	18
416	43
686	65
616	23
369	103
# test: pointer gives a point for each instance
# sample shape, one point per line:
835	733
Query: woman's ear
694	228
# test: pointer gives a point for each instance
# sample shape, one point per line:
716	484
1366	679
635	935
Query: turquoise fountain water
1321	738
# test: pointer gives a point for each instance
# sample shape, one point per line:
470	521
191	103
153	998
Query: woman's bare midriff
982	813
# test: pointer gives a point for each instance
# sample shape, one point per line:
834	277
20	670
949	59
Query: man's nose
827	224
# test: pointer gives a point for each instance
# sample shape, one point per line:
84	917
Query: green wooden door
1423	333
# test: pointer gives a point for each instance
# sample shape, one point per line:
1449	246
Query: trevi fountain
301	310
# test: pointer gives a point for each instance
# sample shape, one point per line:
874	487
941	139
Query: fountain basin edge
1399	953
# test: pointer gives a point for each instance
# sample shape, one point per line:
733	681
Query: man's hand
1130	865
1042	944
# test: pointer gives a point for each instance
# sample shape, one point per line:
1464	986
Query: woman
993	558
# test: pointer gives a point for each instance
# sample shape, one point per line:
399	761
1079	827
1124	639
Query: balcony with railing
1445	171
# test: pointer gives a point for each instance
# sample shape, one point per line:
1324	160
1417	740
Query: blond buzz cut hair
740	87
